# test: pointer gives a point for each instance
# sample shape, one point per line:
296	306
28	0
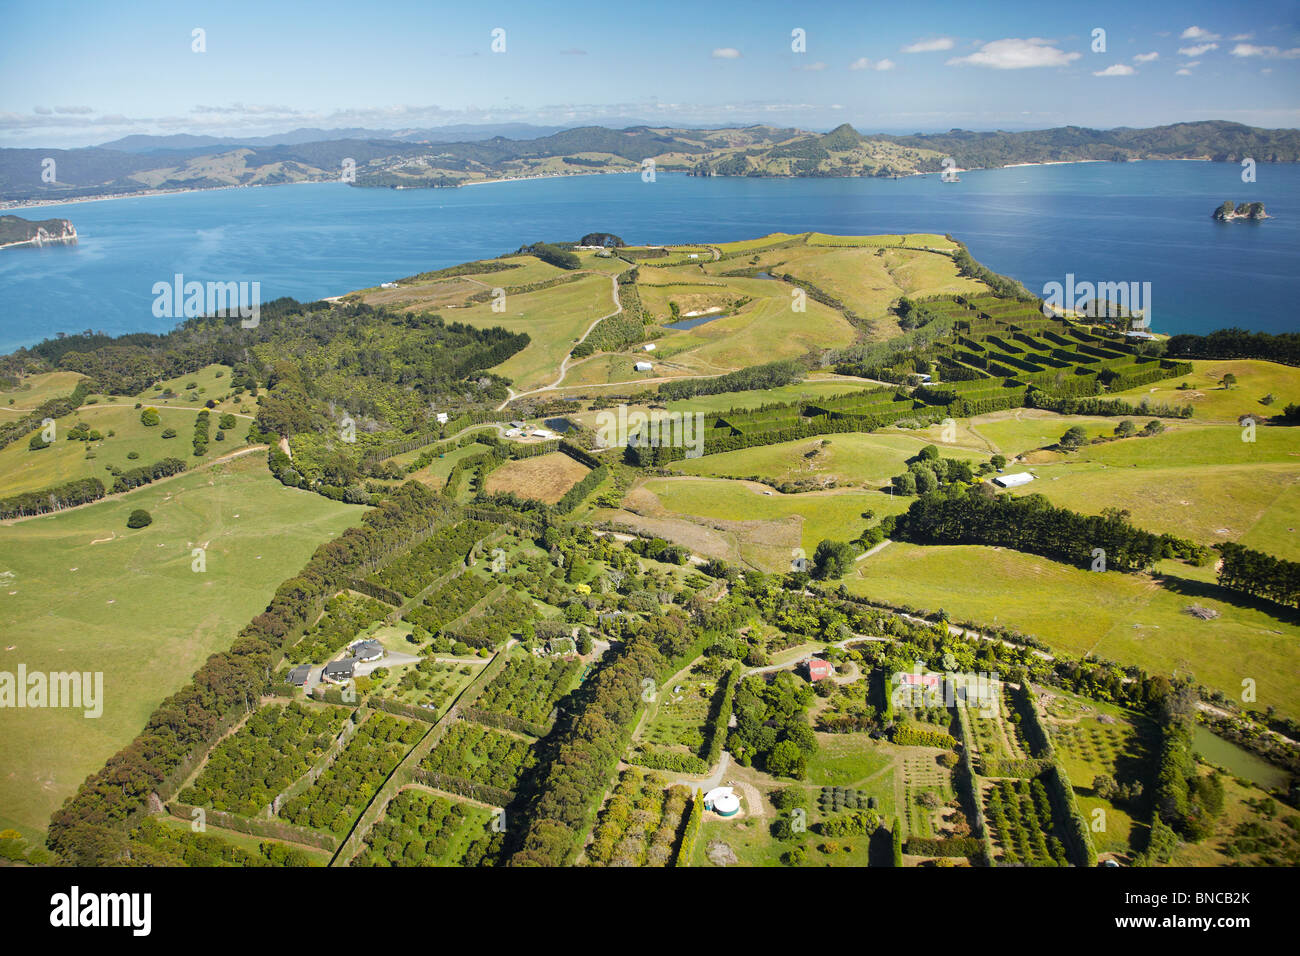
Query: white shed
643	366
1014	481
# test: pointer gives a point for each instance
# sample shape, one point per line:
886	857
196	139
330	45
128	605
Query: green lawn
82	592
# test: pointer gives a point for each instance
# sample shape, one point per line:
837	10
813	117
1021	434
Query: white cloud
1183	72
1196	33
884	65
1272	52
1243	36
1016	54
929	46
726	53
1146	57
1116	69
814	67
1198	49
861	63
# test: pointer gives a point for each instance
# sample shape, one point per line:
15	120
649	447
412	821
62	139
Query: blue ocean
1100	222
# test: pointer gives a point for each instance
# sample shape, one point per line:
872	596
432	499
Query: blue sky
82	73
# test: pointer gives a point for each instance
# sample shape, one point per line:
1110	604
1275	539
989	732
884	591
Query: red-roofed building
819	669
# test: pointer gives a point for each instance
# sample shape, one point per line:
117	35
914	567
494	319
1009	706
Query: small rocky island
17	231
1247	210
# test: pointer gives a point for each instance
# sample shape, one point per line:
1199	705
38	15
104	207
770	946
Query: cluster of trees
1259	574
89	829
481	755
928	472
1185	800
424	829
276	746
421	566
772	730
529	688
339	795
1093	405
346	615
1031	523
547	252
757	377
450	601
1236	343
641	822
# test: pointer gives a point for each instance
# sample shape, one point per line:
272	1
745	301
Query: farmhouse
367	651
298	676
1014	481
643	366
818	669
339	672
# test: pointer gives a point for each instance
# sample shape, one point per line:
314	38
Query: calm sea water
1144	222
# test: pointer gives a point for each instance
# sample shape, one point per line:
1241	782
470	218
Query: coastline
11	204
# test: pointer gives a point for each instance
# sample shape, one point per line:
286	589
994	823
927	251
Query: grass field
543	477
554	318
851	458
1198	481
762	529
1123	617
22	469
34	390
810	388
1212	402
82	592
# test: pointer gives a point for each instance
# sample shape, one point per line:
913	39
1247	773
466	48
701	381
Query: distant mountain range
423	158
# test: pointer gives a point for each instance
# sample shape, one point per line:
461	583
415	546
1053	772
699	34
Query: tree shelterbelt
1259	574
972	516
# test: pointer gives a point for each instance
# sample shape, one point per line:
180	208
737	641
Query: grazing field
81	591
1123	617
23	469
1024	430
435	473
809	388
1198	481
543	477
554	318
1212	402
852	458
34	390
753	525
191	391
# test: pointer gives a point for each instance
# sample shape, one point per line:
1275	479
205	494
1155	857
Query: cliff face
16	231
